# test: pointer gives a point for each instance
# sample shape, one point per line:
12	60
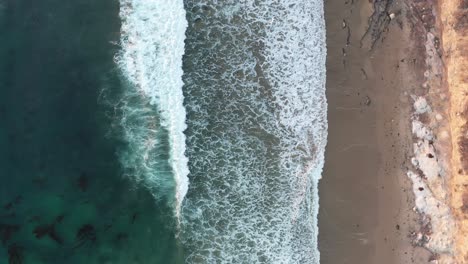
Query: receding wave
153	115
254	74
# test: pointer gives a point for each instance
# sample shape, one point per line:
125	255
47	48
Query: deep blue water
63	197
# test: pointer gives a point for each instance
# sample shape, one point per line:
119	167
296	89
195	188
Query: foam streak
152	40
255	94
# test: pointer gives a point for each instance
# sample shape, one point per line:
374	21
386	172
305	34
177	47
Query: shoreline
412	129
382	64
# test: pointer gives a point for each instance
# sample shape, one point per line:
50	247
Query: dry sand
382	87
454	23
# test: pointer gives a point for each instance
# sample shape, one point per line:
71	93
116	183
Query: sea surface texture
152	40
161	131
64	194
254	74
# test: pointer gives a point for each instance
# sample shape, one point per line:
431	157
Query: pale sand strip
454	18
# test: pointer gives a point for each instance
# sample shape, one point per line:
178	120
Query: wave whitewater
152	42
254	85
254	74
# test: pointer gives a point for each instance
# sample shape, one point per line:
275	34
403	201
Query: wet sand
366	201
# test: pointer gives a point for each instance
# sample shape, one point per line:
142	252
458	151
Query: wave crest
152	42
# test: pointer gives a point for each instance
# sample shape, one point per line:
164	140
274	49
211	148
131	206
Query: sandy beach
377	73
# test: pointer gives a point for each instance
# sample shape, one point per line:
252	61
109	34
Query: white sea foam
152	40
255	84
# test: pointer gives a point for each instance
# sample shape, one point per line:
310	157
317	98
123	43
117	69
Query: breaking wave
153	115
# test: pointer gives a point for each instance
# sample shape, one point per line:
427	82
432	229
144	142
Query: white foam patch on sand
421	131
152	40
420	105
441	221
429	185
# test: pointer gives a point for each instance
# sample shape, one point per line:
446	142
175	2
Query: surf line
152	46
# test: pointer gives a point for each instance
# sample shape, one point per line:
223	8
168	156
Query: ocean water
161	131
64	197
254	74
152	40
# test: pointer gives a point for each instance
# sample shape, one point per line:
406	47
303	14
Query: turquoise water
59	165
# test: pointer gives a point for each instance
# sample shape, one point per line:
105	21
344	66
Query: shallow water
256	113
